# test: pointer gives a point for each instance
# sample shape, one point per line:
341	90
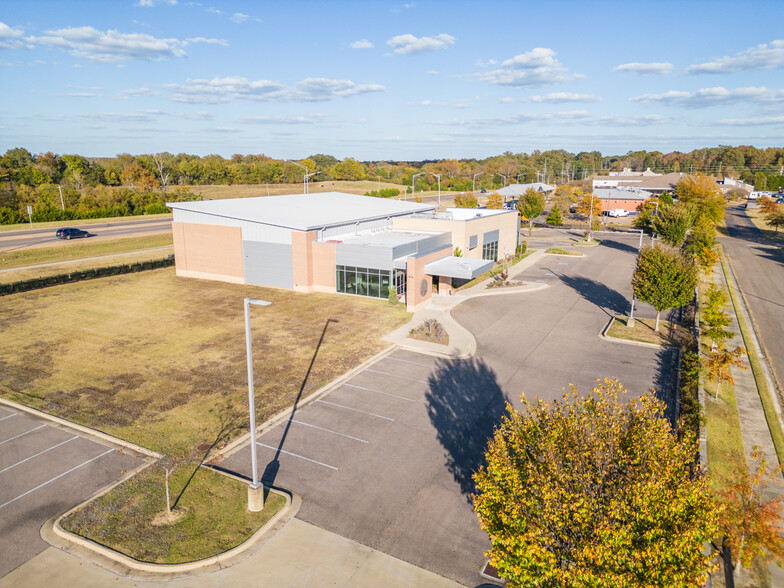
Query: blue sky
384	80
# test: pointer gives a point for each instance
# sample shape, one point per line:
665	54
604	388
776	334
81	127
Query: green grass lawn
74	250
215	517
160	361
560	251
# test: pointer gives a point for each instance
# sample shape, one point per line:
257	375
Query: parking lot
386	458
46	470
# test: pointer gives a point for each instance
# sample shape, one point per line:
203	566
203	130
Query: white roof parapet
304	212
465	268
621	193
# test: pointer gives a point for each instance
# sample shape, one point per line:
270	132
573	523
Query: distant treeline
136	184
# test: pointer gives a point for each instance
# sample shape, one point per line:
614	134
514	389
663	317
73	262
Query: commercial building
629	199
336	242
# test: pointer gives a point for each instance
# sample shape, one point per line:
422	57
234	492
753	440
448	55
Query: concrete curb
603	335
126	566
105	437
238	443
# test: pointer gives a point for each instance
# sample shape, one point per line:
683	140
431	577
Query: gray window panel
473	241
490	236
268	264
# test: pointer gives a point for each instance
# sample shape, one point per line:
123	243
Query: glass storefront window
362	281
384	293
373	286
351	280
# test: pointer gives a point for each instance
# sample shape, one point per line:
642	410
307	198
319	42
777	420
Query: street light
631	314
439	187
306	179
590	221
305	183
503	176
412	183
255	490
473	186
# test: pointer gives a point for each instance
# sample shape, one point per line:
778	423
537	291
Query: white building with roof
337	242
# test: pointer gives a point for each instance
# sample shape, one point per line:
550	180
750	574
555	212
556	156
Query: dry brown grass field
160	360
246	190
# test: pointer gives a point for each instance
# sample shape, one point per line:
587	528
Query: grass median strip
643	331
73	250
213	508
774	424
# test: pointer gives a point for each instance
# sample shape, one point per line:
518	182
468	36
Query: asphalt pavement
758	265
45	470
13	240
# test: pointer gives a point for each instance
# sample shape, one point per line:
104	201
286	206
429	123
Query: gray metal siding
363	256
353	228
268	264
473	241
490	236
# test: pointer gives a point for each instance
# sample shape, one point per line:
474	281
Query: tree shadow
465	403
665	381
743	229
619	246
772	252
272	468
610	301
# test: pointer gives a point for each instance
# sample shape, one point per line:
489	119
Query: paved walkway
461	342
300	554
753	425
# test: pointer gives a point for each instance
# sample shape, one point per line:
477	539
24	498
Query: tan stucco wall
302	259
415	273
507	225
323	267
209	252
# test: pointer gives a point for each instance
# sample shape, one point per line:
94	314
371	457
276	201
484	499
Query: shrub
555	217
465	201
156	208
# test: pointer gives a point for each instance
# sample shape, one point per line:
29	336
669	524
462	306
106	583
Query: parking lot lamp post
473	186
255	490
631	314
439	187
305	183
412	183
503	176
590	221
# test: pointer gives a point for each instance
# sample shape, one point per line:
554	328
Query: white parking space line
380	392
8	417
322	429
396	375
56	478
22	434
409	361
326	465
39	453
356	410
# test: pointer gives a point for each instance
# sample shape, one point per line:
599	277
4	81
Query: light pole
590	221
62	203
379	185
518	177
255	490
412	183
631	314
439	187
306	180
473	186
503	176
305	183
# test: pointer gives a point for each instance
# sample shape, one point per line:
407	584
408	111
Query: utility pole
62	203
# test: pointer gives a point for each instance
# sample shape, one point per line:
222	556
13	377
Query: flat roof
466	268
385	238
304	212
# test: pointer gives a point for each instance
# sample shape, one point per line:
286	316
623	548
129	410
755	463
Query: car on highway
71	233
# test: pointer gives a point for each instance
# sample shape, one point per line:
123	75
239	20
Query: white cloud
506	100
574	117
11	38
761	57
151	3
432	72
138	116
537	67
112	46
143	91
80	95
559	97
408	43
717	96
306	119
239	18
746	122
219	90
645	69
488	63
420	103
362	44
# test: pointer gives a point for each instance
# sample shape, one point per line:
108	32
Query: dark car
71	233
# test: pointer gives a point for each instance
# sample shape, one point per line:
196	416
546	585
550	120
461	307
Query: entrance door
435	284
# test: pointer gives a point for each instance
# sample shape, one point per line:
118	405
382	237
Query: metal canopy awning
465	268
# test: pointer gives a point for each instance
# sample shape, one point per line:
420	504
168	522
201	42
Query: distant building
656	184
336	242
516	190
630	199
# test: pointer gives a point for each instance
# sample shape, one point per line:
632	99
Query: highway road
13	240
759	268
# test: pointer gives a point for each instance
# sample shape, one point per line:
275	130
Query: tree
767	204
704	192
555	217
465	200
161	161
594	491
701	244
531	205
673	222
720	362
775	219
750	523
664	278
495	201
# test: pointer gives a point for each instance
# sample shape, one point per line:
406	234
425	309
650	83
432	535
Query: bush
555	218
384	193
522	248
10	217
465	201
156	208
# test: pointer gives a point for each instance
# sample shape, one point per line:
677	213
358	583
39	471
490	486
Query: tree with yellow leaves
594	490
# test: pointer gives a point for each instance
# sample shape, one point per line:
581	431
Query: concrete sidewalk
461	342
751	414
300	554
